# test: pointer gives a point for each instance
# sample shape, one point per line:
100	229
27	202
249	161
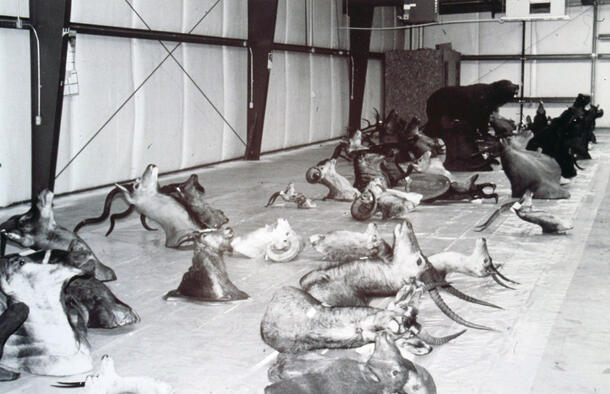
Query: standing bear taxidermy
457	114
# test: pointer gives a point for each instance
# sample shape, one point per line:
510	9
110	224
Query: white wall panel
464	38
212	24
308	100
564	79
386	40
320	116
323	23
276	113
227	18
104	66
499	38
340	95
296	26
203	127
373	92
158	14
158	108
571	36
12	8
298	99
15	149
107	12
235	82
602	89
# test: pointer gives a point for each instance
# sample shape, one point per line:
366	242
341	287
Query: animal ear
77	246
228	232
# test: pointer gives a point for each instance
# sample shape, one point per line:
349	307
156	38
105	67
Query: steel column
360	41
261	28
48	18
522	92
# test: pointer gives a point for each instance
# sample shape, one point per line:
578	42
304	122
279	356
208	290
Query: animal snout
315	239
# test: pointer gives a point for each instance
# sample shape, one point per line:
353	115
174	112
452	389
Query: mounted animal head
344	246
581	101
354	144
406	250
368	167
503	92
143	187
277	242
217	240
398	373
107	380
502	126
480	261
413	142
39	219
25	280
285	244
392	125
321	171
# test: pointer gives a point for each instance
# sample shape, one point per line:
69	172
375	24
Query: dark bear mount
460	115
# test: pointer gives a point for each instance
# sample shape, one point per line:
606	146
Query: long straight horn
438	300
453	291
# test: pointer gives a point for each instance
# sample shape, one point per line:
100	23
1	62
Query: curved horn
107	205
190	237
116	216
282	255
313	175
362	210
495	270
453	291
272	199
435	341
505	207
337	152
498	281
146	226
436	297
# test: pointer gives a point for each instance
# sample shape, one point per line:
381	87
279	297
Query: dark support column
48	18
360	41
261	28
522	92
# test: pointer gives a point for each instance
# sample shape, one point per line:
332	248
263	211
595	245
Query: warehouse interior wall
170	122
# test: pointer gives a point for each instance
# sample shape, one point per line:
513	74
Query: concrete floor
552	335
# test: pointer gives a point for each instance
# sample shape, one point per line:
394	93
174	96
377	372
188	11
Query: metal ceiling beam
126	32
48	18
261	28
